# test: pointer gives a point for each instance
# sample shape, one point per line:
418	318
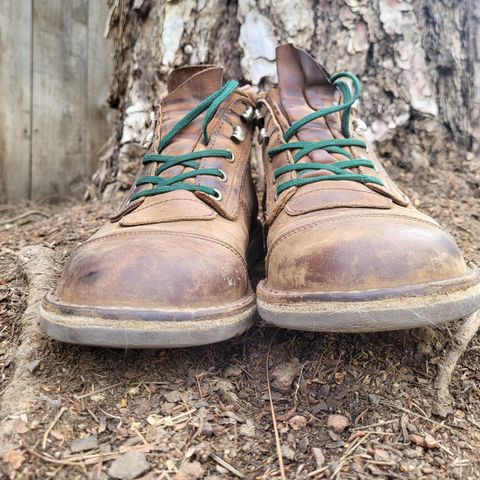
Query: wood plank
15	98
59	136
99	76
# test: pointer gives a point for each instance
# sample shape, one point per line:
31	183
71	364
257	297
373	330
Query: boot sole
129	328
372	311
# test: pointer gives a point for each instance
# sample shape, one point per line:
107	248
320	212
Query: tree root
38	265
443	402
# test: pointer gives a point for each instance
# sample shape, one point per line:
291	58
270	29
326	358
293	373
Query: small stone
424	348
417	439
247	429
14	426
173	397
155	420
33	365
334	436
407	468
411	453
83	444
207	429
52	402
298	422
374	399
338	423
14	459
189	471
303	444
106	448
285	374
321	406
129	466
323	390
430	442
381	455
288	453
319	457
233	371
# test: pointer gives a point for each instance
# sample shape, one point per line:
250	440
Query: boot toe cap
153	271
359	254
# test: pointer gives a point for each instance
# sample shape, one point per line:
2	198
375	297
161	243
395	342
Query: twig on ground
23	215
406	410
460	341
100	390
348	454
50	427
297	385
226	465
274	419
378	424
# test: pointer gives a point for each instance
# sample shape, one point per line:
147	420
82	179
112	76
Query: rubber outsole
377	315
163	329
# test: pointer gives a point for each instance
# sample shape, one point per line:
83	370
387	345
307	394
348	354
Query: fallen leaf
338	423
189	471
298	422
14	458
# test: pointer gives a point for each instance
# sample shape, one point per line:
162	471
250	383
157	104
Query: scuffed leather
177	250
335	236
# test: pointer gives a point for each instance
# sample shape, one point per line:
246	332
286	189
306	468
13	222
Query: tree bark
419	62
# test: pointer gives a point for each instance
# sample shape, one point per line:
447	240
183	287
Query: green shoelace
335	145
162	185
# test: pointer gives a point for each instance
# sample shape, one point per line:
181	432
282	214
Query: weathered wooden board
55	67
99	74
15	98
59	92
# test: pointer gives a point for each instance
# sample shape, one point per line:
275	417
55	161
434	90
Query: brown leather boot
346	251
170	268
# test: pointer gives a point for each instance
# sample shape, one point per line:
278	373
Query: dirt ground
346	406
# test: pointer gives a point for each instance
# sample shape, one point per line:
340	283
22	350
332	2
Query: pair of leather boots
346	250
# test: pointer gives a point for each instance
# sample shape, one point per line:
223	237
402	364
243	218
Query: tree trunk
419	62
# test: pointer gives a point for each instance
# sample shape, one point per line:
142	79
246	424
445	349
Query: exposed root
38	265
460	341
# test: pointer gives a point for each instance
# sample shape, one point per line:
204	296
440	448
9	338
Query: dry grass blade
22	216
226	465
100	390
274	418
50	427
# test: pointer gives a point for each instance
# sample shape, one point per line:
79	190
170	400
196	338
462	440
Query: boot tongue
187	88
304	88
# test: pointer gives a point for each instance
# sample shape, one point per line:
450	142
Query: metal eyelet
218	195
275	196
248	115
259	117
223	178
238	134
231	160
263	136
